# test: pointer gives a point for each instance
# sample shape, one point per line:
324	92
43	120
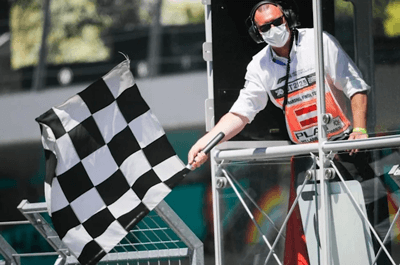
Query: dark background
232	51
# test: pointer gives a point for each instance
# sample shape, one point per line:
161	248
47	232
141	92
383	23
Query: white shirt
264	78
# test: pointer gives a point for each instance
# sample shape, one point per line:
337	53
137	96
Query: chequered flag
108	164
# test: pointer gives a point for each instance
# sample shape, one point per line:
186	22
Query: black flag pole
208	147
213	142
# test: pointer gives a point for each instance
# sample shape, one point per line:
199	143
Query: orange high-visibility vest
301	112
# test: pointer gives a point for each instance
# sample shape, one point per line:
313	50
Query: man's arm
230	124
359	109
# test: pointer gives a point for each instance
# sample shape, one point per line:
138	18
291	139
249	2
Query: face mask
276	36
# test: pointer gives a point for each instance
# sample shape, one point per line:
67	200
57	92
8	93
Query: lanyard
286	87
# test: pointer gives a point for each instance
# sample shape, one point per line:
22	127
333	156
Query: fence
161	237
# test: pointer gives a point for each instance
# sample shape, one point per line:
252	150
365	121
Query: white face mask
276	36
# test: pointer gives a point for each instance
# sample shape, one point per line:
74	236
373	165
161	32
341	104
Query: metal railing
160	236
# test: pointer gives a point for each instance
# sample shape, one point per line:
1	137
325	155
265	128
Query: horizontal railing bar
265	152
369	143
149	243
147	254
36	254
15	223
274	152
149	229
27	207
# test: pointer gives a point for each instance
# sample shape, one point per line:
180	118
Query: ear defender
289	11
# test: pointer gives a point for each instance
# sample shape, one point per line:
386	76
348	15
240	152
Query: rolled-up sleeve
252	99
345	74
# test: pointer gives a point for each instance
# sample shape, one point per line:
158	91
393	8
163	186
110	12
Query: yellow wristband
359	129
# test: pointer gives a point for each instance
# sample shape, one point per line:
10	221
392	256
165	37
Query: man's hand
230	124
196	156
355	136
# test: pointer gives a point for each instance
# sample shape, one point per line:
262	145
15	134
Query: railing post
8	253
320	78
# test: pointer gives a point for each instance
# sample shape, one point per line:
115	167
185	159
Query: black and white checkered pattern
108	164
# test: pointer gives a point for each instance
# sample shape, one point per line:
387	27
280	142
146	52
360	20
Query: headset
290	11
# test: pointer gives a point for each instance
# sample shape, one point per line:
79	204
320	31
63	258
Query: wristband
359	129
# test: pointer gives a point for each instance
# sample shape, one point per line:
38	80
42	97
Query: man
266	74
283	73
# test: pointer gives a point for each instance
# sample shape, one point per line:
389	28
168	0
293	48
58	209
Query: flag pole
210	146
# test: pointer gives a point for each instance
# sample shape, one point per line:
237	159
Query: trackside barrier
222	156
160	237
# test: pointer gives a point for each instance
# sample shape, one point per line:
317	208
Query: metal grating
150	240
160	238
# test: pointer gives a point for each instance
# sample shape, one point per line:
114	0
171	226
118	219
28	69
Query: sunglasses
267	26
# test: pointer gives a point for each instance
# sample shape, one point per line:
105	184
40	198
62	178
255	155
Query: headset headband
287	10
253	11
